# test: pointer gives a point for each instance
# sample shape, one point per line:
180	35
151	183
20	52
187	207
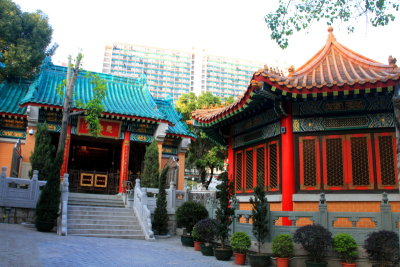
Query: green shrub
224	212
160	223
282	246
189	214
206	228
383	247
195	235
345	245
240	242
149	177
42	156
260	216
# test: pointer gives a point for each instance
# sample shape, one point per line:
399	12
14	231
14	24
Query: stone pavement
22	246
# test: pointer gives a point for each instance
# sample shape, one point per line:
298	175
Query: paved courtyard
22	246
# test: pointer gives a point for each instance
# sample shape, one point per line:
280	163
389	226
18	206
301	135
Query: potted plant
282	248
223	216
345	245
206	229
240	243
316	240
197	240
382	248
259	226
187	216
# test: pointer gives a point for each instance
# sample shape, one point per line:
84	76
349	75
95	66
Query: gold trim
103	179
85	177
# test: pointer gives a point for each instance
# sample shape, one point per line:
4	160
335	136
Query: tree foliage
260	216
203	153
43	156
296	15
24	38
160	223
151	166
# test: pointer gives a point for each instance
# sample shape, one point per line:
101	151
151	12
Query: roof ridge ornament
331	37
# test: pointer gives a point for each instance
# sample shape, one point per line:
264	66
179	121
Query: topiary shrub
48	205
282	246
42	157
149	177
206	229
382	247
315	239
260	216
345	245
240	242
189	214
160	223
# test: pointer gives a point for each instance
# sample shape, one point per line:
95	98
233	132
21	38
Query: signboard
109	128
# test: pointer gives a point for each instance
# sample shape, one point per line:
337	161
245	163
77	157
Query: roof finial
331	37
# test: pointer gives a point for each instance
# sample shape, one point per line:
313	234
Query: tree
260	216
151	166
24	37
42	157
203	153
160	223
92	109
297	15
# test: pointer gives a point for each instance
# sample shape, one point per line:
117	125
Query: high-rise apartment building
171	73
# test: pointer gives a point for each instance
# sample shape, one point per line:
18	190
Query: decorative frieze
265	132
256	121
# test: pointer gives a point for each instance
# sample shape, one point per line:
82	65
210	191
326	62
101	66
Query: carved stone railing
141	210
357	224
62	221
19	192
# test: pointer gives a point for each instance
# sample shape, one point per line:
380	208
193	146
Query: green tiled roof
179	128
126	97
10	95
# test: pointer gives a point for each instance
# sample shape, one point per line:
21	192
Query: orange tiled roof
334	68
334	65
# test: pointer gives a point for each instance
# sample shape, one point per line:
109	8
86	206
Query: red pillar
123	174
230	158
288	183
64	167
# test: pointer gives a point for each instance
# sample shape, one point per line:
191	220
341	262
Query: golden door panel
86	179
100	180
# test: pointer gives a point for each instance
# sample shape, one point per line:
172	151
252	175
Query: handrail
141	210
62	225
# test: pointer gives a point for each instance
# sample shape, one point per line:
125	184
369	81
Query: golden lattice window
309	162
359	160
387	165
249	169
273	165
334	162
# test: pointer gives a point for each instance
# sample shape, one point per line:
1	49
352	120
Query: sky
233	28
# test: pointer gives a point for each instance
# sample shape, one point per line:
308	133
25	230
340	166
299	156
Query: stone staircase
101	216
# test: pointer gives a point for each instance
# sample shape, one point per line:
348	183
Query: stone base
17	215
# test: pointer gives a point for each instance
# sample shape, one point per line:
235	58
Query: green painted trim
273	88
357	91
346	92
390	89
379	89
314	95
284	92
252	93
304	96
368	90
294	95
324	93
335	93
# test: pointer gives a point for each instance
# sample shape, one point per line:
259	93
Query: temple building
327	126
132	119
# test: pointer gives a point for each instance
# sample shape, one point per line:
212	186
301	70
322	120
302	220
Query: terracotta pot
240	258
197	245
345	264
282	262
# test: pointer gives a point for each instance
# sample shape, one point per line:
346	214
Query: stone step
135	227
102	213
93	196
97	203
104	232
141	237
96	208
96	217
109	221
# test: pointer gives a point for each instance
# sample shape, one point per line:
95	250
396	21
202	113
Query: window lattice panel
273	164
260	165
334	162
309	163
359	160
238	171
386	155
249	169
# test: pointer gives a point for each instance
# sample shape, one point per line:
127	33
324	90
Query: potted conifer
382	248
315	239
259	226
282	248
197	240
345	245
240	243
187	216
223	216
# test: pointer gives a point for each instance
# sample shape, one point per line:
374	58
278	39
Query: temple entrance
94	165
